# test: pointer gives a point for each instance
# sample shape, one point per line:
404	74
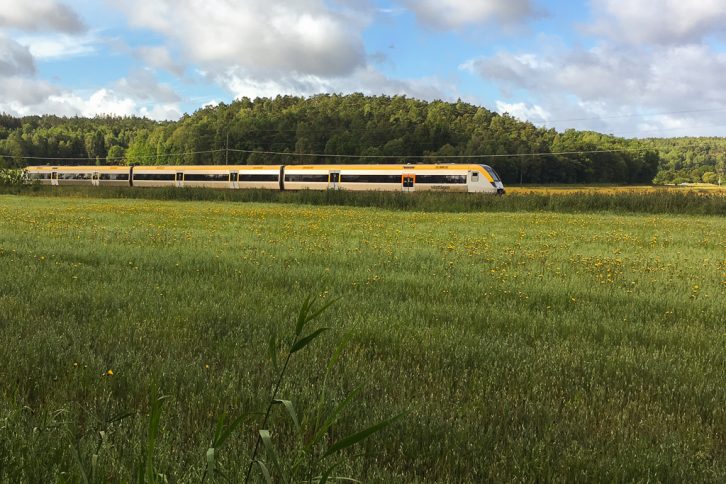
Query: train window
39	176
74	176
206	178
114	176
491	172
244	177
234	177
154	177
306	178
370	178
441	179
475	176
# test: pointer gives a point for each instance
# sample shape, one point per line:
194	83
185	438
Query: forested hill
369	129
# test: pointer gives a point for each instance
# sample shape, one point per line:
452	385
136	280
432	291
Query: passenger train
406	178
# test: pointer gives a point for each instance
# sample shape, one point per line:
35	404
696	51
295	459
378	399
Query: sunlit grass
526	345
617	190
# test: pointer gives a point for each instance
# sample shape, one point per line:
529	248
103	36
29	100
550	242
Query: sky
633	68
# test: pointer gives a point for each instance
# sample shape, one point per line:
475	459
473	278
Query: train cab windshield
492	173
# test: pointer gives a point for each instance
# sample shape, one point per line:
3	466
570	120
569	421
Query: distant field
603	189
527	346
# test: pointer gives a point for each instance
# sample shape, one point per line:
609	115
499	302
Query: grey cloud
606	82
15	59
141	84
453	14
22	92
663	22
160	58
40	15
654	77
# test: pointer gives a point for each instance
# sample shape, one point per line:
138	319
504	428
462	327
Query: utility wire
323	155
328	155
93	158
347	156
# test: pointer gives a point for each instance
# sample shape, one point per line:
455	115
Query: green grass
610	199
526	345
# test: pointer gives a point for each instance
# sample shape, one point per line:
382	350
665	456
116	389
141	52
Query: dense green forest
366	129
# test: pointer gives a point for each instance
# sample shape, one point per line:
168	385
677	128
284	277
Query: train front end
494	180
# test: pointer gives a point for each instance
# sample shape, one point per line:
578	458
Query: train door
334	180
54	178
234	179
474	180
95	179
180	179
408	182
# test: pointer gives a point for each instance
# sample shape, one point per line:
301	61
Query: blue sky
628	67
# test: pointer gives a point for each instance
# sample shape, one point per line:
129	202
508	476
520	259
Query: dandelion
109	372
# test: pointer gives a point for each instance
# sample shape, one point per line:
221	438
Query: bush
710	177
11	177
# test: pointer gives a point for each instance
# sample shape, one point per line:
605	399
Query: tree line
368	129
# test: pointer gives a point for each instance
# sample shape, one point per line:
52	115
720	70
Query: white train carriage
80	175
406	178
261	176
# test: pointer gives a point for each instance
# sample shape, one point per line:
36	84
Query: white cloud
39	16
161	112
109	102
364	80
264	36
612	89
104	102
658	21
23	96
534	113
453	14
60	46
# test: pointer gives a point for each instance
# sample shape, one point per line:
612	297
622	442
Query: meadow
561	199
525	345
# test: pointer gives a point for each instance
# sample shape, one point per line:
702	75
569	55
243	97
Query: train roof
77	168
417	166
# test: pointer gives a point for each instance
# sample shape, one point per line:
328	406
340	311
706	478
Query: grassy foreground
526	346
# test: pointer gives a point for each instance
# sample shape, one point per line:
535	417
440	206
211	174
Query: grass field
562	199
615	189
526	346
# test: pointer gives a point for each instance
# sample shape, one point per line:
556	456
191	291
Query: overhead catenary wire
93	158
352	156
330	155
417	157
